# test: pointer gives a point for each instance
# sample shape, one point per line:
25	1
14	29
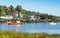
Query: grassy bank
9	34
31	21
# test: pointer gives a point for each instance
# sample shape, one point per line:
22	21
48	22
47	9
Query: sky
51	7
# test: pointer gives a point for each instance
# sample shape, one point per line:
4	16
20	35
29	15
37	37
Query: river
33	27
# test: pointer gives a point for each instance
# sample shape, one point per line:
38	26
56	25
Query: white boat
52	23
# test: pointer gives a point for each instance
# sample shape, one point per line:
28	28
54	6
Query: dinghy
52	23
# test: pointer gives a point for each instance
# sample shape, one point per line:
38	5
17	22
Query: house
32	17
37	16
6	17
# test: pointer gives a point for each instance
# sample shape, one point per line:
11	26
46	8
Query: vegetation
9	34
4	10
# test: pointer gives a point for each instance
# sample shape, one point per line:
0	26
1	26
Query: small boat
52	23
15	23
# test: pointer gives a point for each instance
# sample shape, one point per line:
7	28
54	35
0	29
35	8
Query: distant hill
5	10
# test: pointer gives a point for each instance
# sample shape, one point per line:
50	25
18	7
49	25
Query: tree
11	9
3	13
18	8
6	10
1	10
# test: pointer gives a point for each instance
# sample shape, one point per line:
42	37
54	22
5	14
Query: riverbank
25	15
9	34
30	21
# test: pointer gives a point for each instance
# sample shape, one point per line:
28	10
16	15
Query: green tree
1	10
11	9
7	10
18	8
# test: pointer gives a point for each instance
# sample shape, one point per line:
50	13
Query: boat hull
13	23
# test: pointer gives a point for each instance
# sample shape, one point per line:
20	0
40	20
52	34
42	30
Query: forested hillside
9	10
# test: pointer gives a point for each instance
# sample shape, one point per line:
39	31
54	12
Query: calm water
33	27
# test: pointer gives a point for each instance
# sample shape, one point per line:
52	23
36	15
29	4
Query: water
33	27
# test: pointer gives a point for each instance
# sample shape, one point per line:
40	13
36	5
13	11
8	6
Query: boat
52	23
15	23
15	20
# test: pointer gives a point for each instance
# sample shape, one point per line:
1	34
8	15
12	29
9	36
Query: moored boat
15	23
53	23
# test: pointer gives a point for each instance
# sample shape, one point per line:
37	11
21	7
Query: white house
32	17
6	17
21	15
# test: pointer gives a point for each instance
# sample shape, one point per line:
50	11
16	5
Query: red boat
15	23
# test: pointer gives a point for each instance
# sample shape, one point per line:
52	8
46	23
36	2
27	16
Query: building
32	17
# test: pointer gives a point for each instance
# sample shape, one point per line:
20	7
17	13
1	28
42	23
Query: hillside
4	10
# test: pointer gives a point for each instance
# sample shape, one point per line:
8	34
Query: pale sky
43	6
